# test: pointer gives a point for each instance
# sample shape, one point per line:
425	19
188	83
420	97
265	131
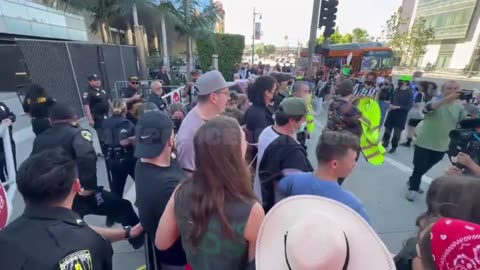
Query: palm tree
195	22
103	12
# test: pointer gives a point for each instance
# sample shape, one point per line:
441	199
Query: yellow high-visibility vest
370	143
310	119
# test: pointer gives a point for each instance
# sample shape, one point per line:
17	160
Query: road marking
404	168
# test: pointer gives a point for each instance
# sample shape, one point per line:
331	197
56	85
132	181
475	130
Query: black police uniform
129	92
53	238
121	161
97	100
78	143
158	101
4	114
38	109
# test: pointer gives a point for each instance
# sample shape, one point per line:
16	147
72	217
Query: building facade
457	32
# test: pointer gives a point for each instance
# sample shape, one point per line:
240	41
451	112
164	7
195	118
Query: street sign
4	208
176	97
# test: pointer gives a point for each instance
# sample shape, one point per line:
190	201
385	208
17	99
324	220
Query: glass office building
25	18
450	18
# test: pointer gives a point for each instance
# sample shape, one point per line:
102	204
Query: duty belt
116	153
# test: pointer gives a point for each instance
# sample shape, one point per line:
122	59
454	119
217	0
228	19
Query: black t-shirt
154	186
97	100
283	153
256	119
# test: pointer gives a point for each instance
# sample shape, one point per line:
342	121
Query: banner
258	30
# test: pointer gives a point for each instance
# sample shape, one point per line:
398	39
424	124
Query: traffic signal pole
313	36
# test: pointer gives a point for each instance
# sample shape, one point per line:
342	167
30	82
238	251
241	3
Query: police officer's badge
87	135
80	260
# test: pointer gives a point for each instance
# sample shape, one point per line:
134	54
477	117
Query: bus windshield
377	61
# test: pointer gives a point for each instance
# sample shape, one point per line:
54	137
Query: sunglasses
135	83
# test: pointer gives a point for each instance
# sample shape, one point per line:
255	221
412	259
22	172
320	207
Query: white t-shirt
267	136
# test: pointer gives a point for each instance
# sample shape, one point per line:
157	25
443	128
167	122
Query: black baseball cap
93	77
133	78
152	133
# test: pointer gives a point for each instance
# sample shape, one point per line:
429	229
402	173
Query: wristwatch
127	229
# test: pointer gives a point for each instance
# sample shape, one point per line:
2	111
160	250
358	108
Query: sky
293	18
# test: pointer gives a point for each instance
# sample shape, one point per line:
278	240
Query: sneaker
420	190
405	144
411	195
392	151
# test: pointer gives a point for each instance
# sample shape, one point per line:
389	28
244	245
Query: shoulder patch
123	131
79	260
85	94
87	135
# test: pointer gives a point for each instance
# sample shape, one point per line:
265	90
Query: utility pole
139	42
313	36
166	59
253	34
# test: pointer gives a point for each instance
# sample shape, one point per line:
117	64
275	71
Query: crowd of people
226	182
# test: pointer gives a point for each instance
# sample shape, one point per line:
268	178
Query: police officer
7	117
132	96
77	142
49	235
36	104
156	96
96	105
119	134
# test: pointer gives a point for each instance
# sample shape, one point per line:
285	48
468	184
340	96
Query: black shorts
414	122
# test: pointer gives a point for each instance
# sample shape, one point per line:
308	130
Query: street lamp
255	14
288	45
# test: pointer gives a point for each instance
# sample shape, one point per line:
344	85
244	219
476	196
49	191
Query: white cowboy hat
316	233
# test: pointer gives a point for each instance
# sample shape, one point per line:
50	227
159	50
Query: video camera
465	139
466	95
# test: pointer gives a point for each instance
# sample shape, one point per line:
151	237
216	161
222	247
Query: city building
457	32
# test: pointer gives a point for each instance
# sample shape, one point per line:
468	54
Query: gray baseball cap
210	82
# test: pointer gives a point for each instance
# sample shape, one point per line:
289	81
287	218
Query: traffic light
328	15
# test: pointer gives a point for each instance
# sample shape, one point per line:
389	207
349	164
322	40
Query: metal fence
62	67
11	184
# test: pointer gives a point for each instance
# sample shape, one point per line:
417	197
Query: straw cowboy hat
316	233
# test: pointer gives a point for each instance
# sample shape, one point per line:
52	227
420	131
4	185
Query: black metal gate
62	67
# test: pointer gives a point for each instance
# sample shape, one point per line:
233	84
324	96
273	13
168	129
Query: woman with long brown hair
215	211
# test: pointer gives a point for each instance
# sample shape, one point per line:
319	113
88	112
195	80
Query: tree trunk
107	26
166	59
103	32
129	35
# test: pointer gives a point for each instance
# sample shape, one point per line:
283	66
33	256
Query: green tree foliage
265	51
360	35
337	37
269	50
392	33
418	38
229	49
407	43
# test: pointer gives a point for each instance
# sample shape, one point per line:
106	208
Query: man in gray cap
212	98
